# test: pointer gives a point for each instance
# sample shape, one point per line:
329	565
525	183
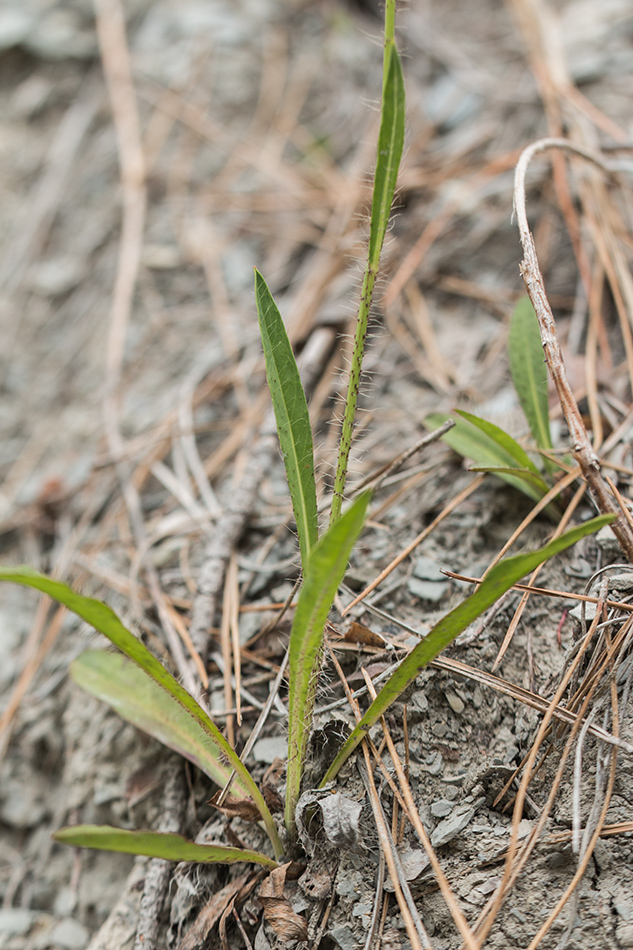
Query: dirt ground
132	401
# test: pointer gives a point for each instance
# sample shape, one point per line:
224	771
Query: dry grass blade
414	926
564	521
446	511
525	696
547	592
37	653
515	860
118	74
582	449
588	845
230	582
412	814
624	508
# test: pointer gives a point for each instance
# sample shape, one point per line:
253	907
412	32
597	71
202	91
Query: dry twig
581	446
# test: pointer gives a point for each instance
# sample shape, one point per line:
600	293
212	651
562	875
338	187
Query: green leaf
534	480
103	619
156	845
390	144
291	414
137	698
488	445
326	568
500	579
529	372
506	446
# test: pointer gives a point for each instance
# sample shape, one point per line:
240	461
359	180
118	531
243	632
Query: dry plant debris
148	163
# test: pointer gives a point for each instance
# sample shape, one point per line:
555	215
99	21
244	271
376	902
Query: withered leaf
273	799
222	925
210	914
340	819
234	808
359	633
277	908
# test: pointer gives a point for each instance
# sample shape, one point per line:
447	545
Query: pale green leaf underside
326	568
103	619
390	144
128	690
490	447
500	579
529	370
507	447
170	847
291	415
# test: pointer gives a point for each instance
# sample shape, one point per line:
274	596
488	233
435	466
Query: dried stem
581	446
159	871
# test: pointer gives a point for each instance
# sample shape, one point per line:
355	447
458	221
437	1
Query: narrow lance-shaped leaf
154	844
500	579
291	415
488	445
529	372
103	619
390	145
136	697
534	480
326	568
507	447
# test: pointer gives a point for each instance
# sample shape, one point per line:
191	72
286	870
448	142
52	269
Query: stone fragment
454	824
432	591
622	582
607	542
269	749
590	612
14	922
428	570
453	700
344	938
441	808
69	934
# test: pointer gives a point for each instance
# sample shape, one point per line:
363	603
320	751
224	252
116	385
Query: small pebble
435	764
454	702
428	570
622	582
15	921
590	612
69	934
557	860
441	808
269	749
432	591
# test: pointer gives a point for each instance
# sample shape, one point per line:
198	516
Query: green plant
390	144
492	449
142	691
